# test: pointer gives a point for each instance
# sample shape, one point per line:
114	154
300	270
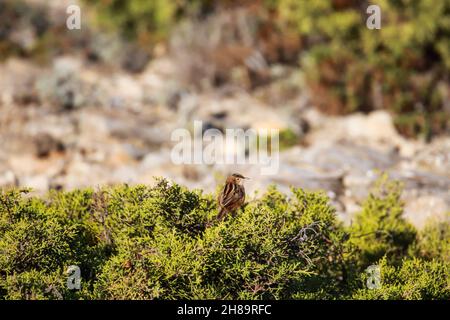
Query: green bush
267	251
414	279
402	67
413	265
144	20
434	241
15	16
161	242
379	230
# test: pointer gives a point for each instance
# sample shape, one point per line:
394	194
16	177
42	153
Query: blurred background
97	105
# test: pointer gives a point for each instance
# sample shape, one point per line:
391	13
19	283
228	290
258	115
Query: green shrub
144	20
15	15
433	241
379	229
402	67
414	279
40	239
267	251
161	242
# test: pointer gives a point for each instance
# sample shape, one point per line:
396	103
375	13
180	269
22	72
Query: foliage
401	67
162	242
434	241
414	279
379	229
14	16
144	20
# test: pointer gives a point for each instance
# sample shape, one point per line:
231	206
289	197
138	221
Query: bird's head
236	178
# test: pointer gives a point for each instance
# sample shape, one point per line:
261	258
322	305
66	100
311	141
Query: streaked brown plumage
232	196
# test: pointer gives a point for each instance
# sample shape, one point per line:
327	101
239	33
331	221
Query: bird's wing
228	195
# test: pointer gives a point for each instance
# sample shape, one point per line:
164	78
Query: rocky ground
75	124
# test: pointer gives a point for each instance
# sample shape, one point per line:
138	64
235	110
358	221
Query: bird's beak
247	178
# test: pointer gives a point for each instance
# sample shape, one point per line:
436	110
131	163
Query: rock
434	157
18	86
240	111
347	156
39	183
91	124
375	130
46	135
135	129
62	86
309	179
106	48
419	210
155	159
127	89
8	179
350	207
135	59
45	144
28	165
414	179
124	174
81	174
377	126
357	184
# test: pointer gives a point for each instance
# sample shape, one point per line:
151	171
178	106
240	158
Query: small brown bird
232	196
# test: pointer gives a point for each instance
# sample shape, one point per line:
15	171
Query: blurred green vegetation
14	14
379	227
403	67
158	243
413	279
145	21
